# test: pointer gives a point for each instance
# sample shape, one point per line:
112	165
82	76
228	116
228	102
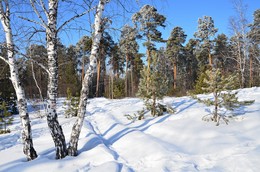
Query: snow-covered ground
111	143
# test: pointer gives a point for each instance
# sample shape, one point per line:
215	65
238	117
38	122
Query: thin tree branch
35	31
38	14
39	64
32	21
37	85
44	8
6	61
62	64
74	17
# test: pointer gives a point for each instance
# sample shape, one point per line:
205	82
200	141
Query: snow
110	142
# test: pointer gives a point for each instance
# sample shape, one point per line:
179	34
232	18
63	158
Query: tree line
100	66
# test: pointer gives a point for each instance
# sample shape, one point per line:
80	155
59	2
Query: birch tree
26	134
47	19
51	42
240	41
76	129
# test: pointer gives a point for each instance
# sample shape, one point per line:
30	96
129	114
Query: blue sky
185	13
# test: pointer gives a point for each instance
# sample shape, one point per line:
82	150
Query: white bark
239	26
28	149
52	120
38	87
76	129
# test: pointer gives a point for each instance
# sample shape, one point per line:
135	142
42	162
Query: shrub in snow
71	105
160	110
220	86
153	86
5	119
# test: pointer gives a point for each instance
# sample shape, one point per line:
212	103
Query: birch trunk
53	124
251	71
98	77
76	129
26	134
126	72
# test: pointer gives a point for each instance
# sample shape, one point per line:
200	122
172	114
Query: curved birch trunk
52	120
26	134
76	129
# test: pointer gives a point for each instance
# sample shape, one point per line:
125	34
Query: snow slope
111	143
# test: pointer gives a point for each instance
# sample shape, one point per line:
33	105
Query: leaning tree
5	15
76	129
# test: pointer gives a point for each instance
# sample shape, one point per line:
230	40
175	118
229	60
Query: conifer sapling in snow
5	118
223	97
153	86
72	104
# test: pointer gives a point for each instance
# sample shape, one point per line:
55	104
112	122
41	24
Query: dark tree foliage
175	51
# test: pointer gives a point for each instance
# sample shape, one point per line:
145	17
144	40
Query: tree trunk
251	72
76	129
215	115
52	120
98	77
154	105
38	87
174	75
126	71
132	82
112	86
148	67
26	133
83	69
210	59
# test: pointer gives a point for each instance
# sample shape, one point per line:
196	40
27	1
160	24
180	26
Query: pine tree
175	50
129	47
254	35
149	20
206	30
191	63
83	48
5	118
220	86
221	52
105	50
153	85
71	104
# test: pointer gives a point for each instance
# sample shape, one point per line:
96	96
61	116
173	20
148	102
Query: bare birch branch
74	17
6	61
32	21
30	59
38	14
44	8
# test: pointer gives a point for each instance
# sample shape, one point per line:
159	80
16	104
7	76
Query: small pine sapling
220	86
5	118
153	86
71	104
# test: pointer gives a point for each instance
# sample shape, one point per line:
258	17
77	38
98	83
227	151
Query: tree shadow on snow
147	122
